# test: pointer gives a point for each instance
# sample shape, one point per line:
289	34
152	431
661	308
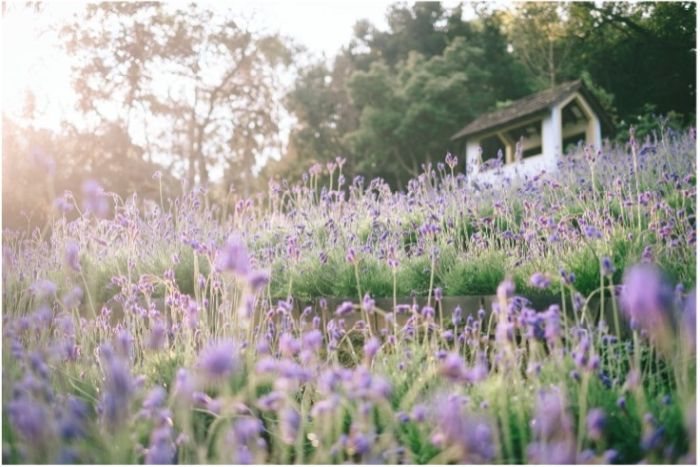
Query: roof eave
495	128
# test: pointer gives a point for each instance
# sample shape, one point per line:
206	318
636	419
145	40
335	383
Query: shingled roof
530	106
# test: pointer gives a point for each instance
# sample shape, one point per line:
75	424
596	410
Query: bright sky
31	58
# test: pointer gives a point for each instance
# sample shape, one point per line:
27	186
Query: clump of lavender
212	360
552	427
468	436
119	387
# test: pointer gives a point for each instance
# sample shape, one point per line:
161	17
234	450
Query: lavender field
188	331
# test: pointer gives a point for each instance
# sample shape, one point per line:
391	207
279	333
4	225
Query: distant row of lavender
162	332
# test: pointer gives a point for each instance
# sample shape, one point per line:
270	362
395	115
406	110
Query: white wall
551	147
473	156
551	133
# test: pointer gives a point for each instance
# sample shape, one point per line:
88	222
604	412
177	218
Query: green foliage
477	275
414	276
610	37
648	124
586	267
392	99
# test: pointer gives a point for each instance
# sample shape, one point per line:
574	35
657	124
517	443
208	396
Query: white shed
543	125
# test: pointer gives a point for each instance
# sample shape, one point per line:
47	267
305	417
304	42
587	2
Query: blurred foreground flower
647	299
218	360
94	200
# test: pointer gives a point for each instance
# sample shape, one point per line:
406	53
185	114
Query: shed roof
530	106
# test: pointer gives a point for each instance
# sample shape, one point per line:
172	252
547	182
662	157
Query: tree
356	108
407	119
640	53
643	53
538	33
40	165
193	88
415	29
324	113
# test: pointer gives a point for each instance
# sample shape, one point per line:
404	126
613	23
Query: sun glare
32	62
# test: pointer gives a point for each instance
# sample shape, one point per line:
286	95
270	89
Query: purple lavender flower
479	371
419	413
540	281
72	256
368	303
607	267
438	294
452	367
595	423
44	288
123	343
184	385
568	278
344	309
73	298
94	200
646	297
272	401
290	421
350	256
218	360
71	422
552	329
551	418
288	345
371	347
457	316
258	279
118	388
312	340
451	160
428	312
157	336
62	205
610	456
591	232
234	256
247	430
29	418
505	290
155	398
552	429
468	435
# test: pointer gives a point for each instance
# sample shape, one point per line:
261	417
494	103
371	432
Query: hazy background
228	95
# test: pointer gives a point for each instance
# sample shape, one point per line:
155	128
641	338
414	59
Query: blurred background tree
197	93
195	84
393	98
538	33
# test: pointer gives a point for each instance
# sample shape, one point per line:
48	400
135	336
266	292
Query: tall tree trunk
202	166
